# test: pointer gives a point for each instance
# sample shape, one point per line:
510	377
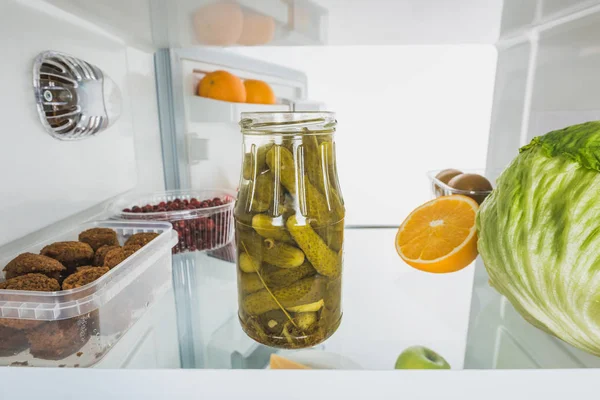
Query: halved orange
440	235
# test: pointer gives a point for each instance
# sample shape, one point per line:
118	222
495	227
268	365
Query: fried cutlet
70	254
101	253
83	276
28	263
116	256
98	237
141	239
33	282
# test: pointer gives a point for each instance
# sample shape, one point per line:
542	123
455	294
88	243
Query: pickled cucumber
326	261
313	162
281	162
332	235
263	225
271	252
305	320
263	190
287	276
246	205
255	162
326	151
314	307
307	290
249	282
247	169
273	321
275	277
314	204
247	263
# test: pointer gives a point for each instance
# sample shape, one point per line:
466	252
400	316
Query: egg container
439	188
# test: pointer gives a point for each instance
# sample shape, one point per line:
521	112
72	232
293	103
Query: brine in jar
289	229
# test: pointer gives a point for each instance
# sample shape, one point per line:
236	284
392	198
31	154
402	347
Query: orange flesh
440	235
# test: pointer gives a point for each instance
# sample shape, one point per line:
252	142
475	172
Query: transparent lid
52	306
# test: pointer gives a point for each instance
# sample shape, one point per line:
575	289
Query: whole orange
222	85
259	92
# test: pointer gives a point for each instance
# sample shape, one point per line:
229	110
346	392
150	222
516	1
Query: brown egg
445	176
472	183
257	29
218	24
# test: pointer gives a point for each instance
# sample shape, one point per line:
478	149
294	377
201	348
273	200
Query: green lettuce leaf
539	234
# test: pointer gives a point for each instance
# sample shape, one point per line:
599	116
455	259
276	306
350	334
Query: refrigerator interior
539	75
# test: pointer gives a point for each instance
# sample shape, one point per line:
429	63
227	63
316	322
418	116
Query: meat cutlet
116	256
36	282
12	341
33	282
70	254
141	239
83	276
98	237
101	253
56	340
29	263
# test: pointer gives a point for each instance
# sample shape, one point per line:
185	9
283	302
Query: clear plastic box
199	229
439	188
77	327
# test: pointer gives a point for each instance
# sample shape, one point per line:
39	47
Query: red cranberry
128	210
217	202
210	225
162	204
204	204
136	209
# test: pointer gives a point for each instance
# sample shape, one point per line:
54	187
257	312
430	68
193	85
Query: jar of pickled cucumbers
289	223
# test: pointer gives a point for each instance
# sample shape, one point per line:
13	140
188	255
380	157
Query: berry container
79	327
200	224
439	188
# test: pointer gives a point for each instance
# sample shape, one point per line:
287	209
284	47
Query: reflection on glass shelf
205	288
387	305
230	348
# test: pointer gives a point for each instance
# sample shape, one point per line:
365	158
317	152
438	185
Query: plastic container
77	327
289	229
439	188
199	229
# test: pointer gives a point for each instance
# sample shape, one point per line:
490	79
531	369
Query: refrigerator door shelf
190	23
202	109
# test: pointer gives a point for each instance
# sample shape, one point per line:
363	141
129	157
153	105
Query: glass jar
289	224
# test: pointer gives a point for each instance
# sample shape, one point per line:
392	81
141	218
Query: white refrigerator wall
48	184
46	180
401	111
547	78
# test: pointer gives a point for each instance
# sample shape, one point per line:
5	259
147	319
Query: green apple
419	357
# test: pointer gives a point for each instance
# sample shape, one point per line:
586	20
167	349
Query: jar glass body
289	218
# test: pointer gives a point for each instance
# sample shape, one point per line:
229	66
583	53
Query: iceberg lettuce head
539	234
